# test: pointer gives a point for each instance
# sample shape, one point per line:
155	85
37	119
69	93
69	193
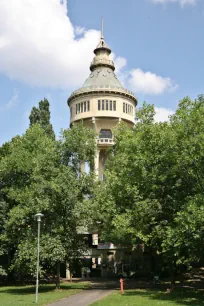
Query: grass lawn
25	295
154	298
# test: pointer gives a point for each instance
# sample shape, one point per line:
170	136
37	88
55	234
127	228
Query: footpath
97	291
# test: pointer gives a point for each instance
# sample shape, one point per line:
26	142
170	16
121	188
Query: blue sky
46	48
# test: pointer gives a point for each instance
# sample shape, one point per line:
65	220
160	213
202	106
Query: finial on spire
102	44
102	28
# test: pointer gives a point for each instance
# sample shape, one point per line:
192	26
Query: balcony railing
106	141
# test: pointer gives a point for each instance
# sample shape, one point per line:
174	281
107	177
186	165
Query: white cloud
181	2
142	82
79	30
38	44
162	114
120	63
149	83
14	100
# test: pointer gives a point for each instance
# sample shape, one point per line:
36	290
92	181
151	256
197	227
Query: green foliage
41	116
34	116
78	146
154	184
145	114
2	271
36	178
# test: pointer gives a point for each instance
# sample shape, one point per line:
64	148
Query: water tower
102	102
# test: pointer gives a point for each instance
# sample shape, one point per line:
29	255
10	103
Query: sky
46	48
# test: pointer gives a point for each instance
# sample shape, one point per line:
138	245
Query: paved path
83	298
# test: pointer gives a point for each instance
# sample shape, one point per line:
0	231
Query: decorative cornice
102	62
102	89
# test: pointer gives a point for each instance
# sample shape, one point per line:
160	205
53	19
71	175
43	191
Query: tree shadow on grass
185	297
42	289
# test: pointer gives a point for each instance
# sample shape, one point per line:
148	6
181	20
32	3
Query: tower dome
102	68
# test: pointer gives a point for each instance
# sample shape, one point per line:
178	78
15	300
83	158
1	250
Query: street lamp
38	217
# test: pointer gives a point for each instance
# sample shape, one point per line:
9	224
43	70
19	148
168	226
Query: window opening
88	106
84	106
123	107
126	108
106	104
103	106
114	105
105	134
111	105
99	105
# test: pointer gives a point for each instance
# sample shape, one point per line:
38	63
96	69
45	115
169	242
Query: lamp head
39	216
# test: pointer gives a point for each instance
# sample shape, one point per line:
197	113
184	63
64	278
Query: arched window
105	134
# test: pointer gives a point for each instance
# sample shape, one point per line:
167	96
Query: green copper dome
102	76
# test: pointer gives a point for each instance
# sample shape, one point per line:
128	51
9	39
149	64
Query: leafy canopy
154	188
43	175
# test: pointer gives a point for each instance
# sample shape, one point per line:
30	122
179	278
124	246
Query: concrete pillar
96	163
82	167
68	273
102	160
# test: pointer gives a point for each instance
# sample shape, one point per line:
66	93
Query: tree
34	116
154	179
39	176
3	217
185	237
5	205
41	115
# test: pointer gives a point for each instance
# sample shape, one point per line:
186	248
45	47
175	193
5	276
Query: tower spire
102	28
102	52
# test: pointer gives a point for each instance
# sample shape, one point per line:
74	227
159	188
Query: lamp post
38	217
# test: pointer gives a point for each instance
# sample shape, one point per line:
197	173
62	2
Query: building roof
102	67
102	75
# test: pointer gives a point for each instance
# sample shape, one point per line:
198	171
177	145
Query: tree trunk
10	277
152	261
58	276
172	275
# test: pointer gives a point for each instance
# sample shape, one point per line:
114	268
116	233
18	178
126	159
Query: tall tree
41	115
39	177
34	116
154	184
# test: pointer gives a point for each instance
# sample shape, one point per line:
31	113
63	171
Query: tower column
82	167
96	163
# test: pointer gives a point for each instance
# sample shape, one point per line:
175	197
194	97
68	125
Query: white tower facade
102	103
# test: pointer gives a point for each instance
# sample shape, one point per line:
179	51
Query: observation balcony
105	141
